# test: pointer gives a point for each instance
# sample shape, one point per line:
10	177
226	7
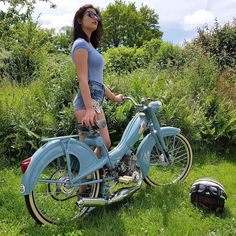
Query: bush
24	119
219	42
168	56
27	52
4	56
123	60
193	91
190	96
41	109
151	48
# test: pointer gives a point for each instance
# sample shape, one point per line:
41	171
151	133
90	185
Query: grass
159	211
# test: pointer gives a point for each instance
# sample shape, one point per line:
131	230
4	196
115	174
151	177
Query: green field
159	211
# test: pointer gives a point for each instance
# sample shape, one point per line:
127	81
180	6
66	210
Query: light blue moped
64	179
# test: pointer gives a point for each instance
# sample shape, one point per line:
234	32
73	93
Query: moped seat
88	131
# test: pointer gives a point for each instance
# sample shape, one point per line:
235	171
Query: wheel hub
64	188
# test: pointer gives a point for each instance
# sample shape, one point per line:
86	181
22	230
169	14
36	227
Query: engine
126	166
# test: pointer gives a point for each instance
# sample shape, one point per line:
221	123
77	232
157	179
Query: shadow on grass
99	220
226	214
164	200
93	224
108	219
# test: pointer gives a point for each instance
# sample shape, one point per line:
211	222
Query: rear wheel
162	172
54	199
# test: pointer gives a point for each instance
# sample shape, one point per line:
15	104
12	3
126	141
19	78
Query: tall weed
190	96
41	109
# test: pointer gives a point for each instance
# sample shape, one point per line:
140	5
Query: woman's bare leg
103	132
79	116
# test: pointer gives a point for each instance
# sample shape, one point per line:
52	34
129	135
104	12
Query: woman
89	67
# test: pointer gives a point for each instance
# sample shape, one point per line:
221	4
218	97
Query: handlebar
133	101
143	101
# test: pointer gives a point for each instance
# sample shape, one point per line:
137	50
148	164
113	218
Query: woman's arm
81	63
111	96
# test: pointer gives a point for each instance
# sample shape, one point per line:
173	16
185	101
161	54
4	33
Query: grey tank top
95	60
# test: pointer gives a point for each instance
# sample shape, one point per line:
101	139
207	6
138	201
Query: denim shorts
97	92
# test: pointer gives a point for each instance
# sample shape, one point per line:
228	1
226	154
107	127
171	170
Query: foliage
28	50
219	42
23	114
62	40
168	55
4	55
151	48
208	115
190	95
123	60
38	86
162	54
124	25
23	43
19	11
41	109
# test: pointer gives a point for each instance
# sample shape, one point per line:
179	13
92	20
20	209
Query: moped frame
69	145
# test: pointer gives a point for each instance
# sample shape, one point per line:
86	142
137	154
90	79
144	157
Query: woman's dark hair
78	31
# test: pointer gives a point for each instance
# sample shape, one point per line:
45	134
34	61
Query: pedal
126	179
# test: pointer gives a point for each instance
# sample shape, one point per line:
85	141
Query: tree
27	50
19	11
124	25
62	40
23	44
219	42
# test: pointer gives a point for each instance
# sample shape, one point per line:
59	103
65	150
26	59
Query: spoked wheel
54	198
164	172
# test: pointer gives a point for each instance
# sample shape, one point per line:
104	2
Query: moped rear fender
146	146
53	149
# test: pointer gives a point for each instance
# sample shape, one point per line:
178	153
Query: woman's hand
118	98
90	117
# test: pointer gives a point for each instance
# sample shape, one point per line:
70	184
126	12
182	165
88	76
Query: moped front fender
52	150
146	146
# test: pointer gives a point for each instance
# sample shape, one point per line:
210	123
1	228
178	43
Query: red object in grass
24	164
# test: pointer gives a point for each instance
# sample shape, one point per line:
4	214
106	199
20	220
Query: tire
162	172
52	203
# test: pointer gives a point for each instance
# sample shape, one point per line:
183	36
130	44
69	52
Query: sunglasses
92	15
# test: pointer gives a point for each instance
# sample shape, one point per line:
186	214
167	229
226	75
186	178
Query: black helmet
208	194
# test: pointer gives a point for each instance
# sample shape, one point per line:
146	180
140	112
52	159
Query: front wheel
164	172
54	200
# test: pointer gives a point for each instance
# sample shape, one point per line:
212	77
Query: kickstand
90	210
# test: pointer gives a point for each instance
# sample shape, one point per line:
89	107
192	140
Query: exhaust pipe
119	196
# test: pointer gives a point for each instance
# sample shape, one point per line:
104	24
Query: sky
178	19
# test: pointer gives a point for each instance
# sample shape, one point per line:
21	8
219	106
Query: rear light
24	164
